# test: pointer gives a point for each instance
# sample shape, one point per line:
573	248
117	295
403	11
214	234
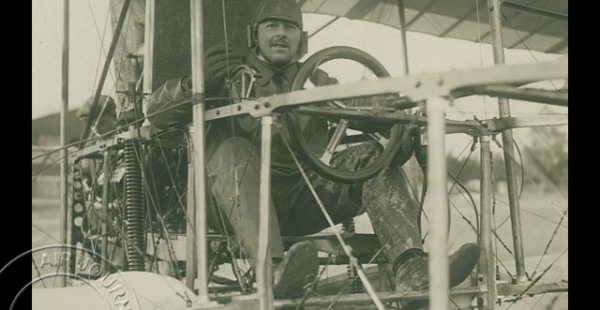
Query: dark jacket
170	107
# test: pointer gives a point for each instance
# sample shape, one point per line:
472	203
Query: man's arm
170	105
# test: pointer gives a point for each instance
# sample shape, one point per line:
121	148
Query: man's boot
412	270
299	268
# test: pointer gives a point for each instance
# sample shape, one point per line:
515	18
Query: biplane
137	207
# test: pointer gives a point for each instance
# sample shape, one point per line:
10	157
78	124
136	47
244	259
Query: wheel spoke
340	132
383	141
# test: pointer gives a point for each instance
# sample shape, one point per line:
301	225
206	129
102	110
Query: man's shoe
298	268
412	274
462	263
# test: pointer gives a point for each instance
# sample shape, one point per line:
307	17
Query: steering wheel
342	132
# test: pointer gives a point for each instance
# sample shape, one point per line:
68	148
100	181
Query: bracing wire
101	37
37	174
470	199
106	217
114	131
43	231
520	166
556	153
345	247
548	244
37	269
345	288
531	285
172	178
526	47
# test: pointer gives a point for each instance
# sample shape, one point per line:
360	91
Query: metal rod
148	46
508	145
416	87
439	278
402	16
104	226
263	261
324	26
537	11
64	140
485	268
415	174
558	98
362	299
109	56
191	259
197	35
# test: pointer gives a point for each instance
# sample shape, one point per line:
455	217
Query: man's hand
220	60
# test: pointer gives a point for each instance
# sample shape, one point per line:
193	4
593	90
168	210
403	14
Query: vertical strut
439	278
263	264
508	146
64	112
105	213
485	268
197	37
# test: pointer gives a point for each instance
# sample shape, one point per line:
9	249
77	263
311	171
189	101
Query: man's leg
393	211
234	170
392	208
235	175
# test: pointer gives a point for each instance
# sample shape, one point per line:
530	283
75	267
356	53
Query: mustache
280	41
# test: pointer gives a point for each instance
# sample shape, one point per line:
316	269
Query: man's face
278	40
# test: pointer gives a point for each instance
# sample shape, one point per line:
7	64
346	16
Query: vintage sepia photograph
298	154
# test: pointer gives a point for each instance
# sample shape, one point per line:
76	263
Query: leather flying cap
278	9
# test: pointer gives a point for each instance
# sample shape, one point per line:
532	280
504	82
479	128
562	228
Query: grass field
540	216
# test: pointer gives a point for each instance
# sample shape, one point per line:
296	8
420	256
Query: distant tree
547	156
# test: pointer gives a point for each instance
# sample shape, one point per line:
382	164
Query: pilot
234	167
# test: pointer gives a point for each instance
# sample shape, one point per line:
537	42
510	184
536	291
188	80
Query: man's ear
250	36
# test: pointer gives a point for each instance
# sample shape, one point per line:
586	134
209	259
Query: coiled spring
134	209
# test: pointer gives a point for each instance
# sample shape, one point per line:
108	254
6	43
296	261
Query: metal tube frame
263	262
439	278
402	16
508	146
191	262
485	268
64	112
415	87
106	170
197	37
